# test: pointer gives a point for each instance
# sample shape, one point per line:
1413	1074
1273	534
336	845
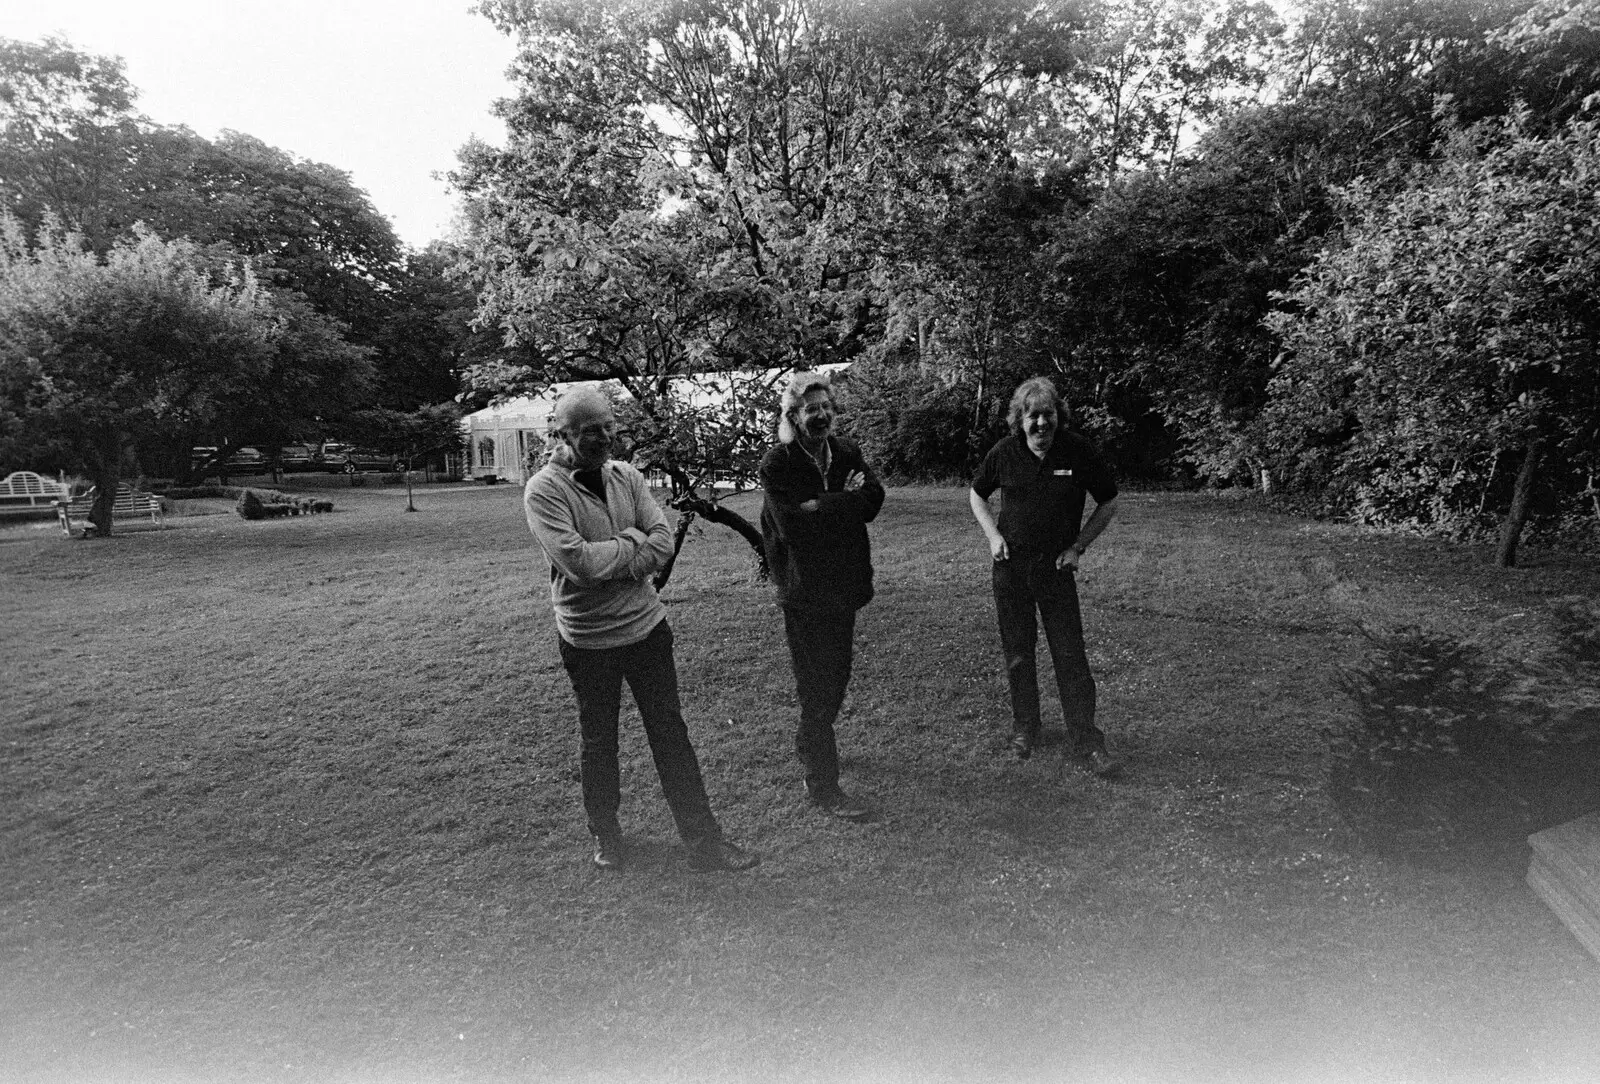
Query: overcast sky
386	90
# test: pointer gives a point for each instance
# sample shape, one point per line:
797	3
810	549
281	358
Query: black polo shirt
1041	507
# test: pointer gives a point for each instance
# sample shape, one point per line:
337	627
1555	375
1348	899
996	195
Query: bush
910	424
270	504
189	493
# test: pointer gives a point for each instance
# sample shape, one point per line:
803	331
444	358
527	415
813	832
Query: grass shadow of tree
1456	757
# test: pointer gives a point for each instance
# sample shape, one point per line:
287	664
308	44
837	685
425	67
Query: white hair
575	398
582	398
794	396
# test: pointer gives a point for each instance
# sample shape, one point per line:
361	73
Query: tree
1157	288
1557	45
317	233
73	145
730	188
427	337
67	130
110	357
1153	75
1453	332
411	436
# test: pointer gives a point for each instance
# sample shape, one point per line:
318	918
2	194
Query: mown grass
296	800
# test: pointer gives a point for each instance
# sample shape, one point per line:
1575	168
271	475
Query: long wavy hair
1030	391
794	396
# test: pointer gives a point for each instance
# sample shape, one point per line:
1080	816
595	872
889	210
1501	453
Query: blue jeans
1029	583
652	676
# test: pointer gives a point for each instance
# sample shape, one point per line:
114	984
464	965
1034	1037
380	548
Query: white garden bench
25	491
130	503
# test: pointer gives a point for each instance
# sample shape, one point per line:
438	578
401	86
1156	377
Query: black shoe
712	855
1022	743
839	804
1102	763
608	853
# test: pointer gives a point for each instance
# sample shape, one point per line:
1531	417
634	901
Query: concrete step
1565	874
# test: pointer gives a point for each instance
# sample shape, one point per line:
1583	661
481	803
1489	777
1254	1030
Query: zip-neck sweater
602	553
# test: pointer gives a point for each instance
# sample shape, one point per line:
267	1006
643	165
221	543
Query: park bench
130	503
24	491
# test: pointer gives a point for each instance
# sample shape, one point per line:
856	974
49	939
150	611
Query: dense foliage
1449	343
107	359
1168	207
735	187
1133	198
75	150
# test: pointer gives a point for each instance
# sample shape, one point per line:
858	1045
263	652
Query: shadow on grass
1456	757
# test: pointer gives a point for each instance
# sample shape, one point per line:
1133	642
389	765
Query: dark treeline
1346	252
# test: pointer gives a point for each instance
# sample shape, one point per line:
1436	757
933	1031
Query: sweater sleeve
551	519
655	537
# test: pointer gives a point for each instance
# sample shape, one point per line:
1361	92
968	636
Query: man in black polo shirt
1044	473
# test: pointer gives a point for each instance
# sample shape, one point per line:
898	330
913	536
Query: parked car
298	458
246	461
343	459
240	461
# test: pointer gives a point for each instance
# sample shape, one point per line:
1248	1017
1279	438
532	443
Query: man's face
815	416
589	432
1039	423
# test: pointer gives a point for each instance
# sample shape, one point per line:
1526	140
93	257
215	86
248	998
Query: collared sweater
602	553
821	559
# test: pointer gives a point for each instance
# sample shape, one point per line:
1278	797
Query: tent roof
533	411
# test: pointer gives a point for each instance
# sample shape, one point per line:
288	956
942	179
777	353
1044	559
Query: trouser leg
596	677
821	647
652	676
1062	617
1019	637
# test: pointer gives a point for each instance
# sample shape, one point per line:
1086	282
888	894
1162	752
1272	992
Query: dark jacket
821	559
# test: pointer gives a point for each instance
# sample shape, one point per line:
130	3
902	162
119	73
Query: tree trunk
713	513
106	478
104	462
678	535
1517	517
716	513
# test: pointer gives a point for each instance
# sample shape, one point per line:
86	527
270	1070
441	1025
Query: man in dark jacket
820	496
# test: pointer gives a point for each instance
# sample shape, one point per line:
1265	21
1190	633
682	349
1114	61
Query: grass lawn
296	800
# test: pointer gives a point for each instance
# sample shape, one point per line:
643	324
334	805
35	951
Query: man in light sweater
605	538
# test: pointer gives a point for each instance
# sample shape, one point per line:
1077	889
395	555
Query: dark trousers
821	646
652	676
1024	585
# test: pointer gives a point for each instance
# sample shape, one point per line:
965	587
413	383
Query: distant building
506	440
